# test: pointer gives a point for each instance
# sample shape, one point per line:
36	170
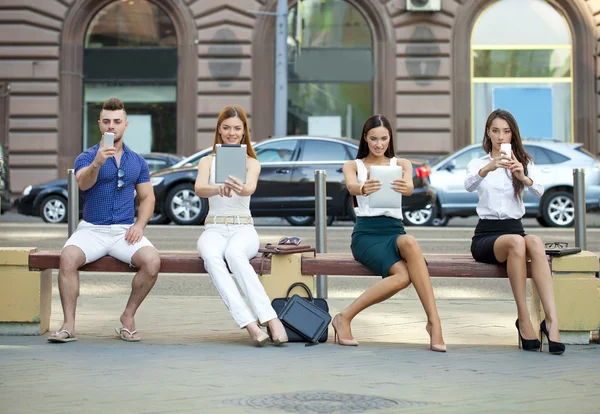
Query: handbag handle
302	285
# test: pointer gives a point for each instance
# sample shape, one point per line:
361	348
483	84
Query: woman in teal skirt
379	240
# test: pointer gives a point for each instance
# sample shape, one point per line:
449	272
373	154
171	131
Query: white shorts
97	241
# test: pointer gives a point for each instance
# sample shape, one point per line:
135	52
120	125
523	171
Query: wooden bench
26	282
172	262
333	264
439	265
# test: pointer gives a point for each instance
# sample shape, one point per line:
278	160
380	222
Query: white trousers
236	245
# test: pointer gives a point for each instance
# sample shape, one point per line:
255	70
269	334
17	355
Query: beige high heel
435	347
280	339
338	339
260	340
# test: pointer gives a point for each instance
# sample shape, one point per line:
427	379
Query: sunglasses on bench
290	240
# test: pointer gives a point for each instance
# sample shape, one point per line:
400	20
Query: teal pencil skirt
374	242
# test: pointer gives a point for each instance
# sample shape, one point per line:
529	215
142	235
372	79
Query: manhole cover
322	402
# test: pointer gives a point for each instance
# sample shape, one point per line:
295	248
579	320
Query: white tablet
230	159
385	197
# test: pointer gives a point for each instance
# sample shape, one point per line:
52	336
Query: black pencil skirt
486	233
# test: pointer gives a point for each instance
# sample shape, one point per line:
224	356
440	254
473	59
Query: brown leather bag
286	249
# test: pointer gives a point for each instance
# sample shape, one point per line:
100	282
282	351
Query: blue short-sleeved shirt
104	203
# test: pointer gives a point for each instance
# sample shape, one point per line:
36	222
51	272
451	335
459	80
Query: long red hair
233	111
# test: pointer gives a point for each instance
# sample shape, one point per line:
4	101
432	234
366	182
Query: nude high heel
435	347
259	338
338	339
281	338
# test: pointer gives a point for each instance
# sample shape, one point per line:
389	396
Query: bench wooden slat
172	262
440	265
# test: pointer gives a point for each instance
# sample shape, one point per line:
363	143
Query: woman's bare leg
419	276
384	289
511	248
541	275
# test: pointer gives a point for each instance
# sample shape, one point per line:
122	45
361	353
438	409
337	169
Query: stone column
577	295
25	296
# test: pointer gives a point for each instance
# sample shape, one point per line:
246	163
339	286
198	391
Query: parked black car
49	200
4	181
286	183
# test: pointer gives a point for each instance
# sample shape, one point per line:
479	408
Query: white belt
229	220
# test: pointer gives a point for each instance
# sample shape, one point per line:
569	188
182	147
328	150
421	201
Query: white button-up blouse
495	190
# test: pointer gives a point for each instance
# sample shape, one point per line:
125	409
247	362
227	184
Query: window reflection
131	23
130	53
330	69
525	69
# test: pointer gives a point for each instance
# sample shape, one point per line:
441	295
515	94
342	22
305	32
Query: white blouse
496	193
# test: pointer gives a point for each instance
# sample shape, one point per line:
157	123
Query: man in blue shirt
109	177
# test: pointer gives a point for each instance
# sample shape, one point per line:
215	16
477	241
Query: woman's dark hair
375	121
516	145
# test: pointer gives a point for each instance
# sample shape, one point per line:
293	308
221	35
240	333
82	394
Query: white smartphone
507	149
109	139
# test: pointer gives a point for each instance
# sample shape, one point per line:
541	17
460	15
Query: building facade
176	63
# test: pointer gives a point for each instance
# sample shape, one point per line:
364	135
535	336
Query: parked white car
554	160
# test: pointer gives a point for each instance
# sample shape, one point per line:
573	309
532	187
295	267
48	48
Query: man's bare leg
147	260
71	259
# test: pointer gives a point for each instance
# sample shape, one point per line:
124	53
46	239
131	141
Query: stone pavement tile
194	359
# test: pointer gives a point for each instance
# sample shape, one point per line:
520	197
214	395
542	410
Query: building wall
419	71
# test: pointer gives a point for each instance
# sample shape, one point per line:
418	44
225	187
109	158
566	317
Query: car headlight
27	190
156	180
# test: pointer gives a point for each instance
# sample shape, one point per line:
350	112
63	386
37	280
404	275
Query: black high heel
556	348
527	344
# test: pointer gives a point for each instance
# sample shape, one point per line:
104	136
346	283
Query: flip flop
69	338
124	337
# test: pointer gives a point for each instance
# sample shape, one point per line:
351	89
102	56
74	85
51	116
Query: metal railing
321	225
73	202
580	207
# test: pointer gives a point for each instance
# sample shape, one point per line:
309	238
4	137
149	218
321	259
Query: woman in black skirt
379	240
500	179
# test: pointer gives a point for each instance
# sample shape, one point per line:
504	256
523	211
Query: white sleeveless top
225	206
363	209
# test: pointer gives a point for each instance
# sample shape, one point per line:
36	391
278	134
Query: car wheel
306	220
159	218
558	209
54	209
542	221
440	221
184	207
422	217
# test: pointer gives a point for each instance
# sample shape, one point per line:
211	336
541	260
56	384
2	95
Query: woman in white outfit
229	240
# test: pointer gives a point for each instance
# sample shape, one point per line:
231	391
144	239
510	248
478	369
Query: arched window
131	53
330	69
521	60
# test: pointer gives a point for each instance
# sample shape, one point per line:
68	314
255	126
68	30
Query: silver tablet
230	159
386	197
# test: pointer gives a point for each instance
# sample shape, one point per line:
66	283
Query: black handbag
305	320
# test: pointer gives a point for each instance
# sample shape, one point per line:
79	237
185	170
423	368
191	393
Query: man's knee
148	260
71	259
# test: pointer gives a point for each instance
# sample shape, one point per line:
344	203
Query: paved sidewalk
194	359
